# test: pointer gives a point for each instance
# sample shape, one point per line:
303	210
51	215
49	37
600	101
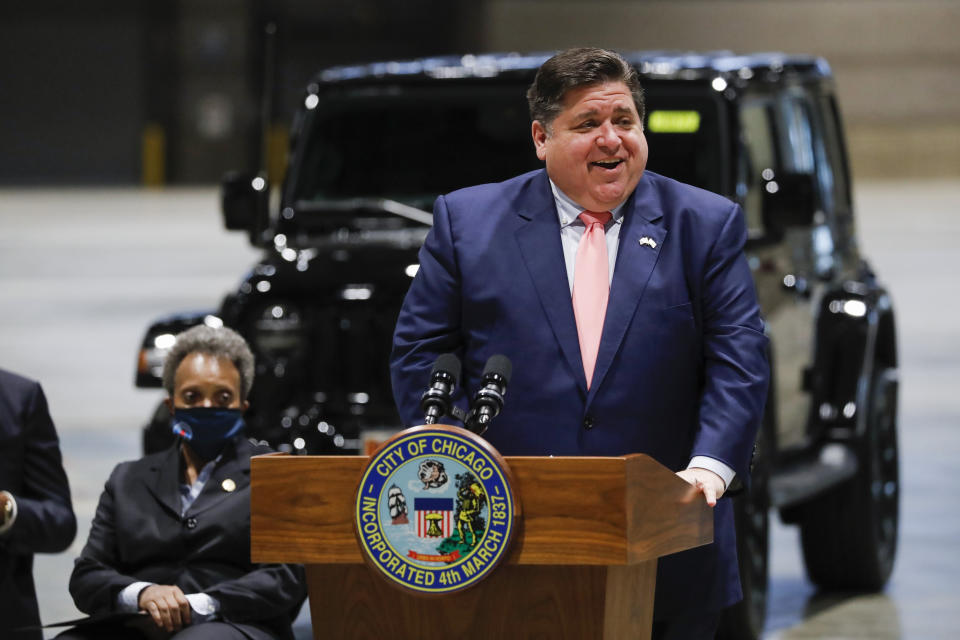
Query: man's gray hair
222	342
575	68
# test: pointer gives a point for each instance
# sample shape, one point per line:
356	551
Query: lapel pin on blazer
648	241
228	485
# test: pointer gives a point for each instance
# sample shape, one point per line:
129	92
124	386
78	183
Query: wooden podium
582	564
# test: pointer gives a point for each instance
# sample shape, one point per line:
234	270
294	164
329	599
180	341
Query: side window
796	136
812	144
757	136
809	151
834	156
793	132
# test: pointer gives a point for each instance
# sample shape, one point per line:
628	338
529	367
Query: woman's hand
167	605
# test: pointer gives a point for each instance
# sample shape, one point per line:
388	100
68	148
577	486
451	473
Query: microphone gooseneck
488	401
437	399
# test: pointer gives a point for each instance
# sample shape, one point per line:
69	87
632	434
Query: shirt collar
204	472
569	211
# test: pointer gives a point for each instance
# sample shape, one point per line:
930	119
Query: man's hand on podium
707	482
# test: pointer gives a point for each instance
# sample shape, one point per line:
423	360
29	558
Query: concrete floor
82	273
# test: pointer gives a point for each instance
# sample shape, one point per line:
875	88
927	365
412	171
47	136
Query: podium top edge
282	455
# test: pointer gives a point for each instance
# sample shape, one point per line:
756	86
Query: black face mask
207	429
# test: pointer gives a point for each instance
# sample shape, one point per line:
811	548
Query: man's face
595	150
204	380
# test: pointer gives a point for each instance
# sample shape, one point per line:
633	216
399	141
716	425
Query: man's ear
245	405
539	133
169	404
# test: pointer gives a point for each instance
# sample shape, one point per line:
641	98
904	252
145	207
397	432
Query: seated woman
171	536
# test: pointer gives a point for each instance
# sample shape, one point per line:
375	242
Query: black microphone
437	401
488	401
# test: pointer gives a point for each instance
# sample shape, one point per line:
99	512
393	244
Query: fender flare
855	333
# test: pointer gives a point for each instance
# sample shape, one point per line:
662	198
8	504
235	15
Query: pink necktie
591	287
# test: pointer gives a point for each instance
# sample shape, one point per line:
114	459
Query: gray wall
79	82
212	98
70	92
897	63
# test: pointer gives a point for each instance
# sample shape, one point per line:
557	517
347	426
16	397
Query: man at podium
624	301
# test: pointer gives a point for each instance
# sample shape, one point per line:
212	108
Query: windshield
412	144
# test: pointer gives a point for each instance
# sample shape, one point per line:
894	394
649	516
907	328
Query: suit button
588	423
191	523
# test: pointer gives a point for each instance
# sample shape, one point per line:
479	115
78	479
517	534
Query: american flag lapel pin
648	241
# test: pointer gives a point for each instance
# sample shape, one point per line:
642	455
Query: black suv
373	145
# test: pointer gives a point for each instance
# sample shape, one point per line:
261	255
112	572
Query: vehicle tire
745	620
849	535
157	435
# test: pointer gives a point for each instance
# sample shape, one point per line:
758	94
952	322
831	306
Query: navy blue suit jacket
32	471
682	367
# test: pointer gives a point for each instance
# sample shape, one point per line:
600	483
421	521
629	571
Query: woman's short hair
222	342
575	68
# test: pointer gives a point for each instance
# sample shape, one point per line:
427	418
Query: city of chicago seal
435	512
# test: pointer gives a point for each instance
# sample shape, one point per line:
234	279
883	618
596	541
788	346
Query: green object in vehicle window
673	122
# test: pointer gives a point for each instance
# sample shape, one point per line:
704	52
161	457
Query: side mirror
244	201
789	200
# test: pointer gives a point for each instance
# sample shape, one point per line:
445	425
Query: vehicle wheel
157	435
849	535
745	620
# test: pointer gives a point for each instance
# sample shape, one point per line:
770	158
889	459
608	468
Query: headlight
150	360
159	340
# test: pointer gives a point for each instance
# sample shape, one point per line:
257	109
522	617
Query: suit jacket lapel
235	466
163	479
539	240
635	264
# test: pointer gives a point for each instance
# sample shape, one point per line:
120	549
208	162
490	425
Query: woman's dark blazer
138	534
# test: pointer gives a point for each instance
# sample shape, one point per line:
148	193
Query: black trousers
703	627
149	631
